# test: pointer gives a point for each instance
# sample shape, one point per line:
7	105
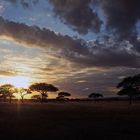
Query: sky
80	46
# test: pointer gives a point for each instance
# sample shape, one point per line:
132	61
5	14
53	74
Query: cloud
1	9
113	53
121	16
33	35
77	14
105	53
103	82
7	73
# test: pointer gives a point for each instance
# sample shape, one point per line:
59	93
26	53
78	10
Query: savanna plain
81	120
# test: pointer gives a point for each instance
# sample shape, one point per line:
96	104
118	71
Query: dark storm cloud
33	35
122	16
116	54
95	53
78	14
81	15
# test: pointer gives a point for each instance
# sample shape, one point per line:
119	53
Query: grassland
116	120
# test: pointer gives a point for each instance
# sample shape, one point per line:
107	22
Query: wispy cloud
7	73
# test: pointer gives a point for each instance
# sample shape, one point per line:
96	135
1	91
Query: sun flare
19	81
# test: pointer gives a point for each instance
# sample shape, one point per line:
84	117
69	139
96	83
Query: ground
87	120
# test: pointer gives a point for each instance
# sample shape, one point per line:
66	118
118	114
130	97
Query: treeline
7	92
129	86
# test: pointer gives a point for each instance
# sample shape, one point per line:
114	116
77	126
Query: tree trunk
41	98
10	99
22	99
4	98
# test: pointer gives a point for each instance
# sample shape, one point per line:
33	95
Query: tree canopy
64	94
7	90
43	88
23	92
95	95
130	86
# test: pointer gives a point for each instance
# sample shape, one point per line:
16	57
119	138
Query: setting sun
19	81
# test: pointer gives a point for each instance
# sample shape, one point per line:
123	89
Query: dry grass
115	120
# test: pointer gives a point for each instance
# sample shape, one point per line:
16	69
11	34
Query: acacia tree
43	89
7	90
3	93
130	86
23	92
36	97
62	95
95	96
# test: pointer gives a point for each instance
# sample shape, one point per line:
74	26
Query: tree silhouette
36	97
43	89
23	92
95	96
4	93
130	86
62	95
7	90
